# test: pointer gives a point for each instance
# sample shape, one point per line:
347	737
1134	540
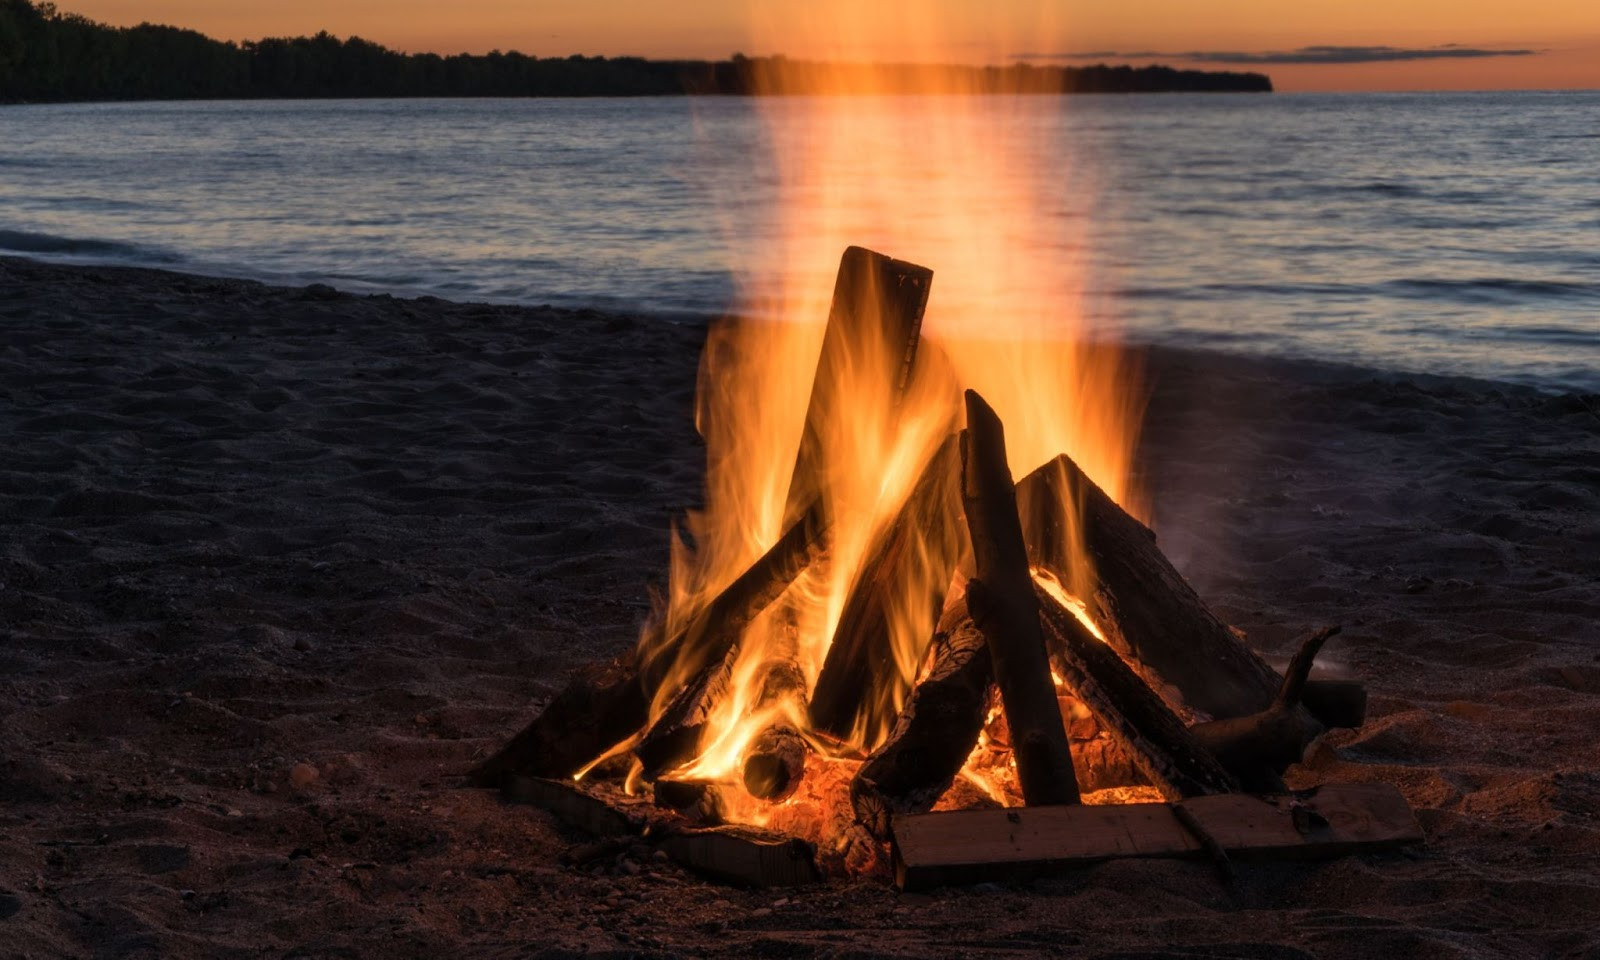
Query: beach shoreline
281	563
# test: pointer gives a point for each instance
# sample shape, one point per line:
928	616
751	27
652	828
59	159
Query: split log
775	760
600	707
976	846
1145	608
874	324
744	855
1003	604
934	734
1258	748
918	552
1152	736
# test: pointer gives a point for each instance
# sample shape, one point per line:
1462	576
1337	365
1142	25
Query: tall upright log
873	328
1003	604
934	734
912	564
1137	719
1145	608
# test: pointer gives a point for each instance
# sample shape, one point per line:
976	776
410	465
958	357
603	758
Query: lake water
1446	233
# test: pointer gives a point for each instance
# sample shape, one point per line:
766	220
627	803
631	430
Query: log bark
1145	608
602	705
934	734
1152	736
1258	748
857	687
1003	604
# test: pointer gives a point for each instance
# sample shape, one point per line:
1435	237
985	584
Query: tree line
49	55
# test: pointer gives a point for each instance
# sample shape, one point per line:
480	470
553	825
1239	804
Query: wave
1498	290
27	242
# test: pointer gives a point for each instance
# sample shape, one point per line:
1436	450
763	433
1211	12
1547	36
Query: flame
969	186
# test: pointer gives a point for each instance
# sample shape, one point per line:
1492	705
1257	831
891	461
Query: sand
278	565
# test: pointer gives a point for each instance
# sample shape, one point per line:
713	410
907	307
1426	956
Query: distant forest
48	55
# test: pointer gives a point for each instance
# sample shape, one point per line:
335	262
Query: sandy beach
278	565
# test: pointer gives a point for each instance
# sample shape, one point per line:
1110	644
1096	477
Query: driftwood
920	547
934	734
1168	756
1258	748
600	707
1145	608
1002	602
975	846
875	319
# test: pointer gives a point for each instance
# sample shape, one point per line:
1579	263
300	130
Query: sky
1344	45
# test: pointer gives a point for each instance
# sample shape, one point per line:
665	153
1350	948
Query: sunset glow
1556	42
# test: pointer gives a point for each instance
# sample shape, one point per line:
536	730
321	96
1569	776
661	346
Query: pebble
303	775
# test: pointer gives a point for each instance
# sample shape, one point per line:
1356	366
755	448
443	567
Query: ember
917	631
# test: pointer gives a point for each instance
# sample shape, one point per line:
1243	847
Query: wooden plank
973	846
744	855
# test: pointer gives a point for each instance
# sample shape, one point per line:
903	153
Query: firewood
1258	748
1003	604
976	846
874	321
1153	737
743	855
1145	608
775	760
857	684
601	706
934	734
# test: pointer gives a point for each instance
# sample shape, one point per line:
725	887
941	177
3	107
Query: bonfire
896	657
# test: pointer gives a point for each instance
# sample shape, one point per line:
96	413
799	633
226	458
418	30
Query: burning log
600	707
921	547
1145	608
1151	735
1003	604
875	320
1258	748
936	731
776	759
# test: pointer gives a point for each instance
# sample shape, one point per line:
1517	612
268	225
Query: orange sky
1565	33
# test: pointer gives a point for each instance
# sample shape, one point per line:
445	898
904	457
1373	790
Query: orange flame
967	185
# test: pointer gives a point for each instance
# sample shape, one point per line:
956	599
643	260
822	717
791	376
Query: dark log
744	855
859	681
602	705
775	760
1003	604
874	322
1153	737
1336	703
934	734
1145	608
1258	748
976	846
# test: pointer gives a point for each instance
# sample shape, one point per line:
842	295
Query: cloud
1316	54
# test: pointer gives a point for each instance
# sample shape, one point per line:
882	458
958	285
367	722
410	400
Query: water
1444	233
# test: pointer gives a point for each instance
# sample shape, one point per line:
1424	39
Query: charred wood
1336	703
920	549
1151	735
602	705
1145	608
935	732
1003	603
